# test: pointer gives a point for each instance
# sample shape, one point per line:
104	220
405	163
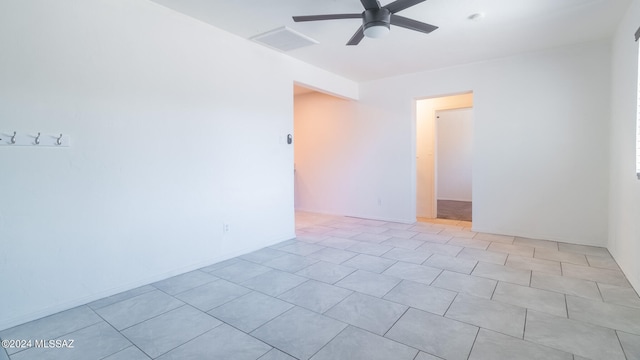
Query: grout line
395	322
494	289
526	315
474	342
621	347
599	291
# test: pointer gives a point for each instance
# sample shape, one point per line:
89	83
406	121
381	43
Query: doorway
454	154
429	186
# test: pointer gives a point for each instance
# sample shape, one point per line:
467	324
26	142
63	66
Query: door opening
430	186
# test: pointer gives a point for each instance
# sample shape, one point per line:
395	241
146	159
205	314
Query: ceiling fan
376	19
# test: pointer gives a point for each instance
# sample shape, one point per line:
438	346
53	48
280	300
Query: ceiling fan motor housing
376	17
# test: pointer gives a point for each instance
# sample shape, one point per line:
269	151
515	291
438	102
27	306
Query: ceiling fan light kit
376	19
376	22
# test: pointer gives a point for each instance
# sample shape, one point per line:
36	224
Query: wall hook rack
40	139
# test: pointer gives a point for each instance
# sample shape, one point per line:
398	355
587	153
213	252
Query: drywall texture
540	141
624	215
176	128
328	144
454	154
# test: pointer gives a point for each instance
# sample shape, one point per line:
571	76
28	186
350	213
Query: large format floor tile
369	263
369	283
483	255
590	341
433	334
354	343
456	264
421	296
413	272
326	272
250	311
335	256
531	298
352	288
299	332
619	295
241	271
138	309
315	295
121	296
274	282
502	273
401	243
606	276
491	345
530	263
213	294
488	314
276	354
93	342
410	256
130	353
223	342
158	335
565	257
263	255
52	327
584	249
466	284
367	312
630	345
565	285
184	282
536	243
520	250
290	262
609	315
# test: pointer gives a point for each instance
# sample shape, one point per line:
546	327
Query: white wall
540	160
331	151
176	127
624	201
455	154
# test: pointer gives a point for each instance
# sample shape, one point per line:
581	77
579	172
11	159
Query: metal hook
13	138
59	141
37	141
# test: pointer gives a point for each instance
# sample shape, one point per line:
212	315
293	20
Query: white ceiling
508	27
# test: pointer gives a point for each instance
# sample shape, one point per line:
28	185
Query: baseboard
462	200
359	216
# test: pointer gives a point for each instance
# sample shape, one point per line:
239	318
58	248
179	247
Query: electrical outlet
379	202
225	228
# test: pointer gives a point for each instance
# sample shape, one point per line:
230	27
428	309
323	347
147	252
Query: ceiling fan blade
357	37
400	5
412	24
326	17
370	4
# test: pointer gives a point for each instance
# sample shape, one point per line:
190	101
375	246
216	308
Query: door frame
425	146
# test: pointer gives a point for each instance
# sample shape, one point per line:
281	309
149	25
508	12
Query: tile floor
351	288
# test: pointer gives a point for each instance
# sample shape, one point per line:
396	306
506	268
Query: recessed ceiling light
476	16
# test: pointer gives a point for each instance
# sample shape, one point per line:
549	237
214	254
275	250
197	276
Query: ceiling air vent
283	39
